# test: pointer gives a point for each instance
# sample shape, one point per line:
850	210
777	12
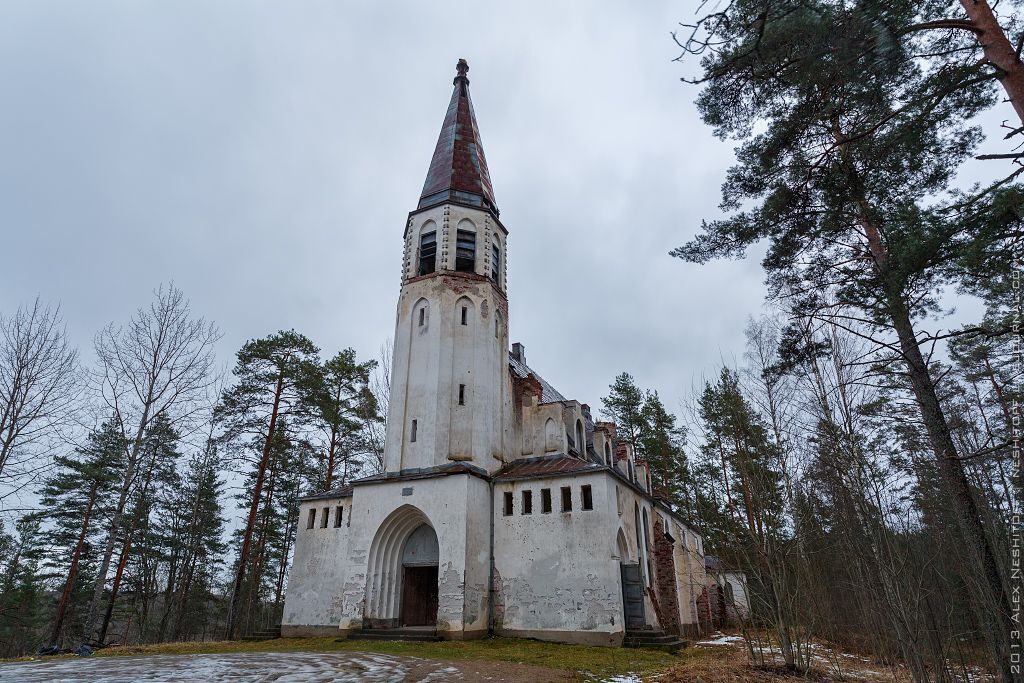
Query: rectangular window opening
545	500
527	502
566	499
311	522
588	497
465	315
337	516
423	316
495	263
428	253
508	503
412	438
325	517
462	394
465	251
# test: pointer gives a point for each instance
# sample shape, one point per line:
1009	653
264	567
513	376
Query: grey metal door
633	596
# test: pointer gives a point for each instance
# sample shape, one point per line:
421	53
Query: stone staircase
653	639
409	633
272	633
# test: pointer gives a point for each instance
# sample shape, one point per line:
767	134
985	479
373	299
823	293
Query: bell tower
450	383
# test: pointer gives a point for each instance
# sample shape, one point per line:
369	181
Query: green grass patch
595	661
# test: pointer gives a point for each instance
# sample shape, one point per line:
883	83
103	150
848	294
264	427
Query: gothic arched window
496	263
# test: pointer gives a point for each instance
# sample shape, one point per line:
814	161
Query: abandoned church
503	506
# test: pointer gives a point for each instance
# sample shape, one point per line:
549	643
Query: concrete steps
272	633
422	635
653	639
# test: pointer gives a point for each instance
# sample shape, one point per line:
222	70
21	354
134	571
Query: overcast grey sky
264	157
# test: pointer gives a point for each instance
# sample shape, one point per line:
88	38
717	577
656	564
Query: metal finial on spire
461	69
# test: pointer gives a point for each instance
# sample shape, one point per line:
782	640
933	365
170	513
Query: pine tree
624	405
849	182
274	376
197	546
343	405
21	587
81	493
158	470
661	444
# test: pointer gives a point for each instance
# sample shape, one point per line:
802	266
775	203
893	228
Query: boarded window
588	497
496	263
312	518
527	502
508	503
462	394
428	253
465	251
566	499
326	516
337	516
545	500
413	436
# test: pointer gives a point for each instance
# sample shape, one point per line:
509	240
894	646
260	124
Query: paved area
298	667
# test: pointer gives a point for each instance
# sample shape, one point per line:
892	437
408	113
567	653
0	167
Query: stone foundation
292	631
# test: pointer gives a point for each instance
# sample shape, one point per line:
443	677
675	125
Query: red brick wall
665	580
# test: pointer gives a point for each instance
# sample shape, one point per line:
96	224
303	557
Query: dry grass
584	662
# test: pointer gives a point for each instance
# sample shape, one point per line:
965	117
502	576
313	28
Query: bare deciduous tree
39	384
160	364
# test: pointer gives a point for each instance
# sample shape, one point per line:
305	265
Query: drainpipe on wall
490	575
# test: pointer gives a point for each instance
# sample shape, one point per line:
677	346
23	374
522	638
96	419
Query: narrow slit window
462	394
423	316
337	516
527	502
566	499
496	263
311	521
508	503
545	500
465	251
428	253
588	497
325	517
412	438
465	315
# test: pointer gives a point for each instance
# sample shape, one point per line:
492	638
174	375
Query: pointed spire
458	170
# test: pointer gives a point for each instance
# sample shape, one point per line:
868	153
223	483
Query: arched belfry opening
402	578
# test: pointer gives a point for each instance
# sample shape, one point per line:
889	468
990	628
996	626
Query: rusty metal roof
458	170
521	370
343	491
546	466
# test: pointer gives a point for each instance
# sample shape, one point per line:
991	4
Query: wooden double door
419	596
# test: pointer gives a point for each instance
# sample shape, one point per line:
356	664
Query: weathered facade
504	508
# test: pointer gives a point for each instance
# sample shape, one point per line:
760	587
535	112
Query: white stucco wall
442	501
319	569
557	574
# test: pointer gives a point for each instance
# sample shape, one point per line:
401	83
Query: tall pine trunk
69	584
998	51
243	555
115	522
951	470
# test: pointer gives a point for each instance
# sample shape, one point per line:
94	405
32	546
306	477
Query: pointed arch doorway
419	578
